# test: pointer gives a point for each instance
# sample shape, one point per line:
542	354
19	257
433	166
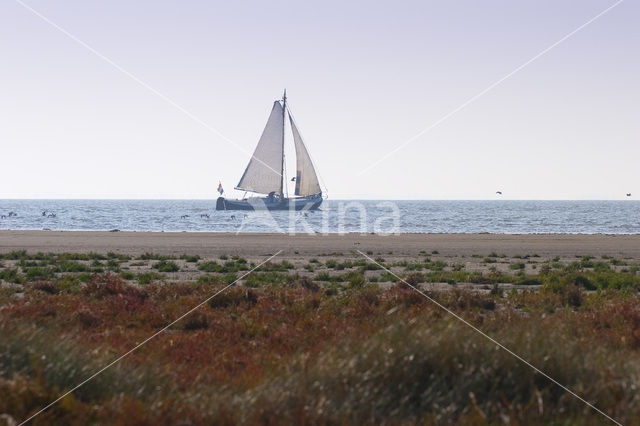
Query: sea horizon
334	216
326	199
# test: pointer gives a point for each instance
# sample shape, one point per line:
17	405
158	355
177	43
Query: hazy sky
362	78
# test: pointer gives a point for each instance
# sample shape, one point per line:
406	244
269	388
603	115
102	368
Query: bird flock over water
51	215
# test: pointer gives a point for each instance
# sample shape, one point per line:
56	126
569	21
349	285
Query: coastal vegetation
348	343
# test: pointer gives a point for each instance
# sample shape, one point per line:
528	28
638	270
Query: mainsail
264	172
306	178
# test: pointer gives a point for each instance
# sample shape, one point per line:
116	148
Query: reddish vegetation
254	355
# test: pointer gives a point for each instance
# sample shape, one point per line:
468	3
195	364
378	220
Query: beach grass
334	346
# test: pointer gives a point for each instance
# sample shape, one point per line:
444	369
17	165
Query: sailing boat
265	172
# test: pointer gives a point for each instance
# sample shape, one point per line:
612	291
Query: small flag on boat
220	190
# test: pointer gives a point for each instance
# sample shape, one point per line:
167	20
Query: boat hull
266	203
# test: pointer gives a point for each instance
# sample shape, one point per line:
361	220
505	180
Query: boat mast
283	171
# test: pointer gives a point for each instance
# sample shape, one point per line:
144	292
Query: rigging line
142	83
285	183
313	162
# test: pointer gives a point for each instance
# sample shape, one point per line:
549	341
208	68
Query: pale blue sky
362	78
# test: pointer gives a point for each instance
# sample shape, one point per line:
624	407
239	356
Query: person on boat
271	196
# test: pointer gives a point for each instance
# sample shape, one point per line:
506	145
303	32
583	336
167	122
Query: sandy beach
214	244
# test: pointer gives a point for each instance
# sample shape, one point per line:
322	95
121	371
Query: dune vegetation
344	343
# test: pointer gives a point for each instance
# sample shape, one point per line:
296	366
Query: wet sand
213	244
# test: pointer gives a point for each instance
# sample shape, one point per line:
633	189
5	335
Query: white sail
306	178
264	171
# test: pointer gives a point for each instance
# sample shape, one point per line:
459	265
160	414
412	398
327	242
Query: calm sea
511	217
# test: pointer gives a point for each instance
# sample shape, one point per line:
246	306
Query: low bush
256	279
190	258
149	277
166	266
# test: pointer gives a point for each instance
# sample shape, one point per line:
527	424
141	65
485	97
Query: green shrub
437	265
15	255
517	266
368	266
38	273
190	258
256	279
128	275
230	277
148	277
354	278
586	262
234	266
11	276
209	266
323	276
458	267
166	266
387	277
71	266
69	284
417	266
118	256
601	267
275	266
153	256
581	280
83	277
210	279
113	265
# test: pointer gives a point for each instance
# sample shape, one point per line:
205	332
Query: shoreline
214	243
318	233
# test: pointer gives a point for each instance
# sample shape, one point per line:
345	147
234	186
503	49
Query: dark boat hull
266	203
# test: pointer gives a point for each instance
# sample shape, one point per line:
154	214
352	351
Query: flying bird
628	194
499	192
